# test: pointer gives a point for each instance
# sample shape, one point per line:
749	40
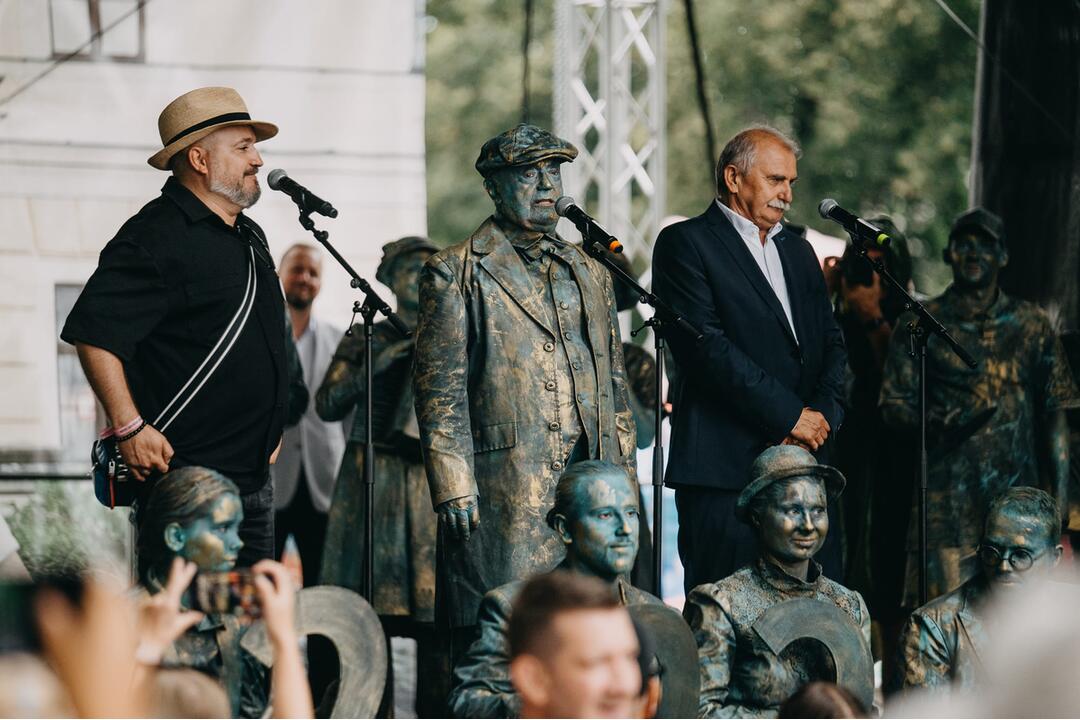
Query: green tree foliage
878	92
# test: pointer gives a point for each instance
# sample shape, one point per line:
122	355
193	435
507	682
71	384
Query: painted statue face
406	279
525	195
604	537
212	541
793	529
1014	550
764	193
976	260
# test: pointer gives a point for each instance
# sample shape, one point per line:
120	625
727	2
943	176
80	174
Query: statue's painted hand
146	452
460	516
391	354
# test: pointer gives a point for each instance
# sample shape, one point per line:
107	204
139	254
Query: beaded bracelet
128	427
133	433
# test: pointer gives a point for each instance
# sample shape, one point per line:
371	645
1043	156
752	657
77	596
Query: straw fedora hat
196	114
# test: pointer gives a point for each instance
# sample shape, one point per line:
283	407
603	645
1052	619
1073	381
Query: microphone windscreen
563	204
826	206
275	177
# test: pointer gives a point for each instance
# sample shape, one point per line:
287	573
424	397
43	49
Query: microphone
308	201
590	231
859	228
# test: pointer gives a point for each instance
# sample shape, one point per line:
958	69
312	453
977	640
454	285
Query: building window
80	415
98	29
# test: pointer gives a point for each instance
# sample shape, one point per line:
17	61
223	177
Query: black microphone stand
663	318
372	304
919	331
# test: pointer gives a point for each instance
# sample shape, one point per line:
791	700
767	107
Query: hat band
227	117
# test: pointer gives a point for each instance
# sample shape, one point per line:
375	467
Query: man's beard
235	192
298	303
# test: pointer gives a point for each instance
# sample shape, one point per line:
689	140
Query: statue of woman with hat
741	676
405	524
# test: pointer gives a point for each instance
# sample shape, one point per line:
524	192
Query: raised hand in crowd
277	600
162	619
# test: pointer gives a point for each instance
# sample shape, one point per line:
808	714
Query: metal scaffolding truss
609	101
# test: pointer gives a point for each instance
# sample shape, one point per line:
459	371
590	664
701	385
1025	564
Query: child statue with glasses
941	643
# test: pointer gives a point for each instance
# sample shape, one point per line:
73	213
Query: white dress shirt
765	255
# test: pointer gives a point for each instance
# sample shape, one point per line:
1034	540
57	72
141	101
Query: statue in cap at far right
777	624
941	645
997	426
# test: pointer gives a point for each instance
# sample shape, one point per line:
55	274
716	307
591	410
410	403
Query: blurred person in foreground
786	505
823	700
770	367
941	646
596	515
573	649
998	426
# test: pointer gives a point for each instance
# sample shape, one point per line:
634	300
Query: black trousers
257	529
308	527
713	543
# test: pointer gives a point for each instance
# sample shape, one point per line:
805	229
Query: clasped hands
459	517
810	431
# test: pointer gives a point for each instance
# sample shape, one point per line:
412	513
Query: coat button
581	397
553	426
568	336
564	306
549	385
577	366
557	465
549	347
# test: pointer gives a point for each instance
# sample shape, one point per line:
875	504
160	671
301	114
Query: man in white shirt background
311	450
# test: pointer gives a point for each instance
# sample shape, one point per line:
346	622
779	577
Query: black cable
525	42
1004	70
699	76
61	60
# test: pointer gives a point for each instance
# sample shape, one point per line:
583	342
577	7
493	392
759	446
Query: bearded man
186	271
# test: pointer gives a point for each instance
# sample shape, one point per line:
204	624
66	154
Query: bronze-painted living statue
943	639
519	371
405	525
741	676
1000	425
195	513
596	517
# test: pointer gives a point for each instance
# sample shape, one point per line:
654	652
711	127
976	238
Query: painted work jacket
939	646
740	675
498	357
482	687
988	428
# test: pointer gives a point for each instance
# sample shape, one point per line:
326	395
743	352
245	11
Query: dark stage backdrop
1027	159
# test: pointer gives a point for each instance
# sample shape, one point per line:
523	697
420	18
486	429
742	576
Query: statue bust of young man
940	645
596	517
195	513
786	505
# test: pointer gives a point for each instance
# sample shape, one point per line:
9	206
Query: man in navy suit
770	368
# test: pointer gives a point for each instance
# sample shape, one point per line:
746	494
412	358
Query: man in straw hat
786	506
519	372
180	329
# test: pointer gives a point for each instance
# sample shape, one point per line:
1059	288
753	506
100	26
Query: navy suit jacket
744	385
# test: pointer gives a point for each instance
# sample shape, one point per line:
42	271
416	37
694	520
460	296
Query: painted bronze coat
940	644
405	525
740	675
482	687
486	385
990	428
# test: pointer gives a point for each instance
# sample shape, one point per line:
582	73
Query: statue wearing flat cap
999	425
519	371
404	553
777	624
